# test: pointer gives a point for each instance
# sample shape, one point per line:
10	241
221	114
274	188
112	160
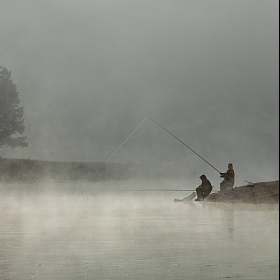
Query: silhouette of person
228	182
204	189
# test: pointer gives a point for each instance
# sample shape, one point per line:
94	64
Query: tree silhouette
11	114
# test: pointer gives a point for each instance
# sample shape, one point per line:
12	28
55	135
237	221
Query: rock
258	193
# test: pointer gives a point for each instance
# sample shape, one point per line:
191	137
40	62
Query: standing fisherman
204	189
228	182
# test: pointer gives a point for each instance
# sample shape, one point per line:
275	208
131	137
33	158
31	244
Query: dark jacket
228	176
205	185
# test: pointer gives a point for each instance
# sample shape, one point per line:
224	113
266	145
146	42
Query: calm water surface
77	231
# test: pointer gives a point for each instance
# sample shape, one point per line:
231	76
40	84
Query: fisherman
204	189
228	182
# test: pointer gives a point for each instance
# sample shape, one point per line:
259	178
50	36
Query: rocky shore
258	193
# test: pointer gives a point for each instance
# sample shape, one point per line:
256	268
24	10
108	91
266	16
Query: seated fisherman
204	189
228	182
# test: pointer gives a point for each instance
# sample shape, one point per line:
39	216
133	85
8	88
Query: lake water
100	231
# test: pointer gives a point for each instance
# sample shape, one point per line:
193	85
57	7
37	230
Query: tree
11	113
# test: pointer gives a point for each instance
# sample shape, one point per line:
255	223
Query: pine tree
11	113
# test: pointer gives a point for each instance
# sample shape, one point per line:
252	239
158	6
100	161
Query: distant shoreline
258	193
34	171
30	170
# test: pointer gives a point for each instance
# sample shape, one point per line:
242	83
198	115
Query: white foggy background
88	72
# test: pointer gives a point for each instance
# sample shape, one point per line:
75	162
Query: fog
105	234
88	72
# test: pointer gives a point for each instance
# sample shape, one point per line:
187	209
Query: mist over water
87	73
100	231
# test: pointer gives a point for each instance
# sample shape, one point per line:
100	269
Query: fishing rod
185	144
157	190
119	147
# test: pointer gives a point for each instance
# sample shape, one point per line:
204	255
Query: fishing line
184	144
119	147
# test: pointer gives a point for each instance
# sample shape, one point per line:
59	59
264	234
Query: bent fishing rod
185	145
138	126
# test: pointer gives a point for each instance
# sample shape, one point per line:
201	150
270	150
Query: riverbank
258	193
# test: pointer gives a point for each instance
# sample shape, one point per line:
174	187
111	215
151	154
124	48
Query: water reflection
228	221
11	230
118	235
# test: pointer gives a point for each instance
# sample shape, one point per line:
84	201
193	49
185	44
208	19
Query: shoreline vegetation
34	171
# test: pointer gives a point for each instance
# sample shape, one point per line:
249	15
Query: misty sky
88	72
